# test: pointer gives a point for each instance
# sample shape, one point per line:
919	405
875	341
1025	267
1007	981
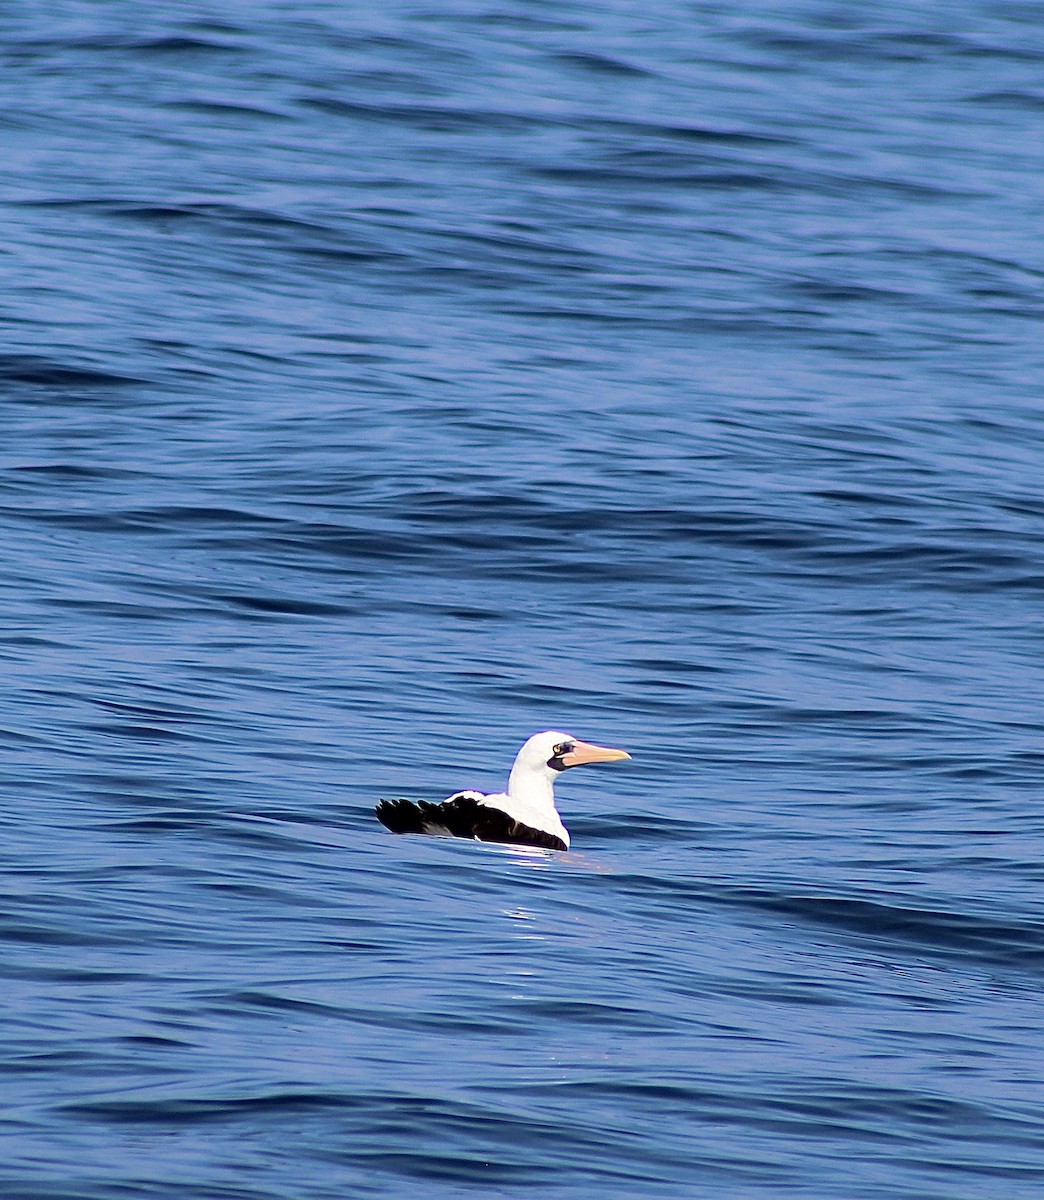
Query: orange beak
584	752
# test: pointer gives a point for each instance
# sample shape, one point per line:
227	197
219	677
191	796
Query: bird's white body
530	795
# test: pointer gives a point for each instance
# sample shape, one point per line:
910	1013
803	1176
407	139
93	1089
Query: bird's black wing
463	816
400	816
471	818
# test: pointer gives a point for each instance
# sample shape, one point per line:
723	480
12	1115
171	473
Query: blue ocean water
381	384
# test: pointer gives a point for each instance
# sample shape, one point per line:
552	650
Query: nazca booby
524	815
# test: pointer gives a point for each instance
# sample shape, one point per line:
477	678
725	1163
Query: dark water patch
154	1042
175	45
425	117
104	609
598	64
674	666
72	976
880	46
110	1189
836	293
434	1166
146	826
690	134
1011	943
212	108
1028	100
25	933
149	733
189	1112
573	1012
257	225
27	369
283	605
268	1001
32	475
1006	943
191	47
151	711
663	170
411	1022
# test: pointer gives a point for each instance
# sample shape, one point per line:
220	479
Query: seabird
524	815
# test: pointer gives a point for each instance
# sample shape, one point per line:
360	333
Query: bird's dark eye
564	748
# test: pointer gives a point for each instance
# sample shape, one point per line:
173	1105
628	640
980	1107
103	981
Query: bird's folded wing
463	816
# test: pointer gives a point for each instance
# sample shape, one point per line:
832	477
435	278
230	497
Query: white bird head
548	753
